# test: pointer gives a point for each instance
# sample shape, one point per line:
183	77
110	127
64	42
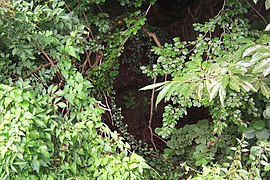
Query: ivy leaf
71	51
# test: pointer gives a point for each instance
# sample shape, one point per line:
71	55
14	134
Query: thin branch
87	22
257	12
153	94
37	69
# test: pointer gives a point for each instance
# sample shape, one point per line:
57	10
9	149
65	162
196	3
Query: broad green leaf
266	71
262	134
153	86
265	89
249	51
44	150
259	124
214	91
261	66
247	86
34	134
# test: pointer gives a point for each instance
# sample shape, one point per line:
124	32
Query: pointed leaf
214	91
200	91
250	50
153	86
266	72
163	92
265	89
261	66
234	83
222	94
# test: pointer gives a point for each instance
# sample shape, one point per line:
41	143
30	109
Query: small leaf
28	115
61	105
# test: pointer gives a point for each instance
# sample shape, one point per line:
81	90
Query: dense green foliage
59	59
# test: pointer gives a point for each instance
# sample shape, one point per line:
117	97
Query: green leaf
153	86
44	150
34	134
200	91
249	51
259	124
28	115
163	92
61	105
35	164
222	94
214	91
266	71
261	66
262	134
247	86
132	166
234	83
265	89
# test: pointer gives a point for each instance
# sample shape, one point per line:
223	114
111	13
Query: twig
87	22
60	76
257	12
37	69
108	107
153	94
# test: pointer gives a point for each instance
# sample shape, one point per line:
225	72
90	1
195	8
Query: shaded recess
167	19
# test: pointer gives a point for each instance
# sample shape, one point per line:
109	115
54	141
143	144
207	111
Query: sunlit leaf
163	92
265	89
214	91
261	66
250	50
153	86
200	91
